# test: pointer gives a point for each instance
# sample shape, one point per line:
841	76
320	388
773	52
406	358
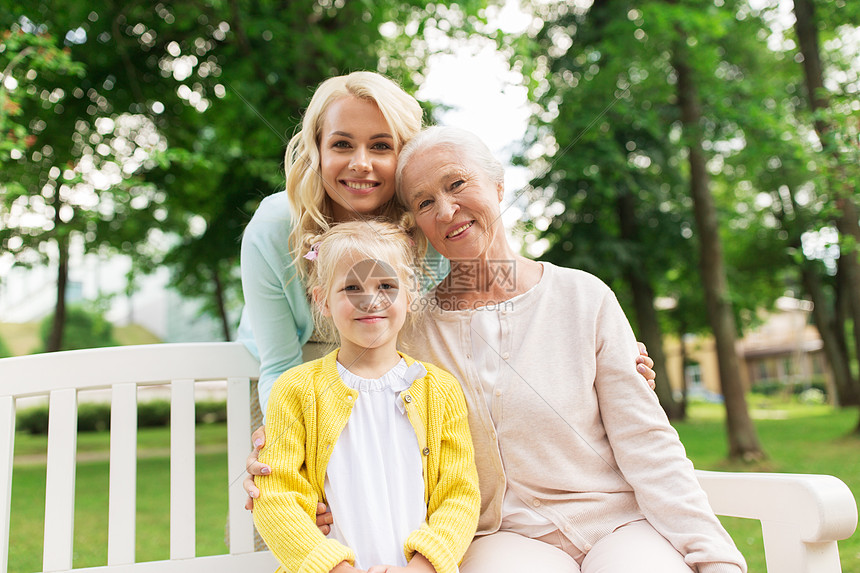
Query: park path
103	455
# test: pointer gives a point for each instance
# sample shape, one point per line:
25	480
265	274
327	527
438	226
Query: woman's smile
360	187
459	230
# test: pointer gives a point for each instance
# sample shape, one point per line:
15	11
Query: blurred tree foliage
4	349
86	327
184	108
613	156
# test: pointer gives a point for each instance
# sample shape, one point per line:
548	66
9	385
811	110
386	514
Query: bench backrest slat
238	418
7	453
182	470
60	480
123	474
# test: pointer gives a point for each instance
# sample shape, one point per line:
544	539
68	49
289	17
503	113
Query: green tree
222	86
660	115
86	327
832	115
608	180
70	167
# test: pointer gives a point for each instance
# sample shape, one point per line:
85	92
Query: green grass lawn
91	499
797	439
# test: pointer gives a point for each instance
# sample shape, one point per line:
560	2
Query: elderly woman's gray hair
467	145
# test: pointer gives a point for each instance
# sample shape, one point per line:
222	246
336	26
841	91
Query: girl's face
357	158
367	305
455	203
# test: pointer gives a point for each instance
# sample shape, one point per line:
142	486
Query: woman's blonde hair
310	207
384	245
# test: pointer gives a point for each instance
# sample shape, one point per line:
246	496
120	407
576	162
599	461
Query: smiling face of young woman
455	203
358	158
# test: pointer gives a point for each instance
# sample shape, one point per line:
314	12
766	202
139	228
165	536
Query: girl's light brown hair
310	207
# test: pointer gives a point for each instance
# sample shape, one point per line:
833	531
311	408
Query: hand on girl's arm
256	468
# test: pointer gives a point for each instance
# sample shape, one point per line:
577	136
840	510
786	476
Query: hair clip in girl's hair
314	252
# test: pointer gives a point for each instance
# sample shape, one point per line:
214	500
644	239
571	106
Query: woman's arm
276	306
649	453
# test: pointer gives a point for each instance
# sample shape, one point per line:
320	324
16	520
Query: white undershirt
486	355
374	480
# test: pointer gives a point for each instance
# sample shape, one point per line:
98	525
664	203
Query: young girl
381	438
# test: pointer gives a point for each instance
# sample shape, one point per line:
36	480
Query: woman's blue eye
382	146
387	286
424	203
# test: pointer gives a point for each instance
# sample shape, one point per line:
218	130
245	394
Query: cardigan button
407	398
426	451
587	547
506	355
536	503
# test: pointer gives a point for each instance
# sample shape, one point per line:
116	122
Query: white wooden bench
802	516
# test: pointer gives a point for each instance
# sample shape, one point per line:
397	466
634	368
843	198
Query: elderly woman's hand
256	468
644	366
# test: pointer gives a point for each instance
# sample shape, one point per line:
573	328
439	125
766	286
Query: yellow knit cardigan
308	408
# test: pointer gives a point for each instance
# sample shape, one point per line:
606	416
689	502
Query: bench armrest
802	516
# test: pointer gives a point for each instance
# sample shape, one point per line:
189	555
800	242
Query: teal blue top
276	321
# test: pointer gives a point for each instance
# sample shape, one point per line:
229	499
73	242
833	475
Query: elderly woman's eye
457	183
424	203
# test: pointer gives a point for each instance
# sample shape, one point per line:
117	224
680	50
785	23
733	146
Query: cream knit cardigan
584	440
308	408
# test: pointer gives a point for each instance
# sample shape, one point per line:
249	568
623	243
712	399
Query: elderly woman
579	468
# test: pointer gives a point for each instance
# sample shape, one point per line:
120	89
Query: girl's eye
388	286
351	288
340	145
382	146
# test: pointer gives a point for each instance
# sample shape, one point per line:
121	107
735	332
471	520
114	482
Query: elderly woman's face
455	203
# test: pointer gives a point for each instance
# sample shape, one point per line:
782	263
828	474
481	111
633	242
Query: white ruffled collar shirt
374	480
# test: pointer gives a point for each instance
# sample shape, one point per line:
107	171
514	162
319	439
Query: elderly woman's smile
459	230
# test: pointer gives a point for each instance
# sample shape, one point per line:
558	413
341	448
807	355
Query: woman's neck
371	363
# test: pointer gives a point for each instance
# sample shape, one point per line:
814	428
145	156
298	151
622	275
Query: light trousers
635	547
